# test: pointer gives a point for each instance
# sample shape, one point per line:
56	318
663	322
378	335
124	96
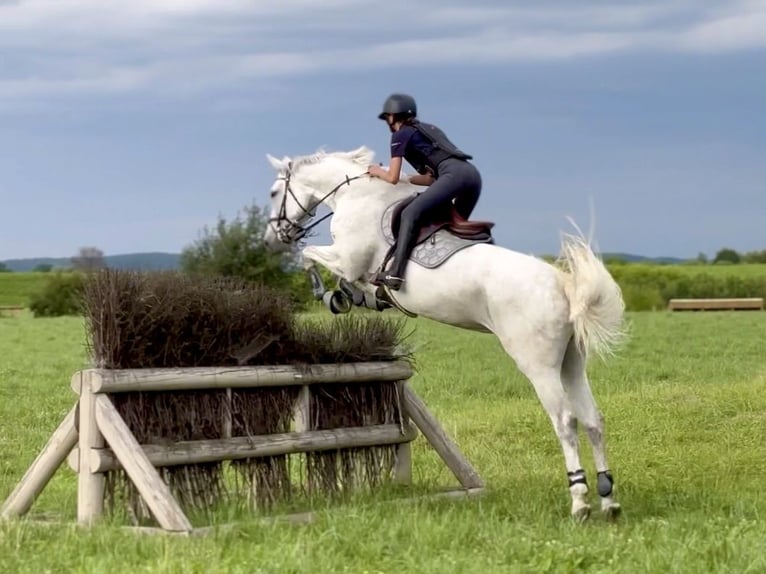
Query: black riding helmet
400	105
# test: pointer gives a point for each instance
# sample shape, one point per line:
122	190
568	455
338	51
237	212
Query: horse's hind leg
550	391
547	383
575	381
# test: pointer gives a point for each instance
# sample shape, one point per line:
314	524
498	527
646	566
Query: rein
295	231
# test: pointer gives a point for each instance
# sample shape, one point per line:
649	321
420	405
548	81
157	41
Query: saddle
451	220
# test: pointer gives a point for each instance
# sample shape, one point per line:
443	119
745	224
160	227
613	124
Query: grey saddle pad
435	250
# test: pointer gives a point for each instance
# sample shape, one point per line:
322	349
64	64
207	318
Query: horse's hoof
581	514
612	511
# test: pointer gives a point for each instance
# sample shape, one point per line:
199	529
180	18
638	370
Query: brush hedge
167	320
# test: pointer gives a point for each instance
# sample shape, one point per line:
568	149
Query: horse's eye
273	194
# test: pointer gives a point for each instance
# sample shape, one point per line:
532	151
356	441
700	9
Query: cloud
729	31
57	48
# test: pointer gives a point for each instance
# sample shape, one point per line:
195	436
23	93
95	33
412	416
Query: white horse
548	318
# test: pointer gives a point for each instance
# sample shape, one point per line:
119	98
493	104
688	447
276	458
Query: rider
441	166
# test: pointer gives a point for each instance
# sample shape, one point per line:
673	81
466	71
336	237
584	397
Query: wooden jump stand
11	310
95	438
717	304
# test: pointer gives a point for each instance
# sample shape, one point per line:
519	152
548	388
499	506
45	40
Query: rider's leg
409	226
456	178
436	195
470	192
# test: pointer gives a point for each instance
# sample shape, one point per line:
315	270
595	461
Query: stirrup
393	283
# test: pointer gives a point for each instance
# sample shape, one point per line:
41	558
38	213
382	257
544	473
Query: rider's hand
374	171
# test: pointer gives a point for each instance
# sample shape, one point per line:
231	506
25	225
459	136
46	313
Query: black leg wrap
356	295
337	302
605	483
341	300
577	477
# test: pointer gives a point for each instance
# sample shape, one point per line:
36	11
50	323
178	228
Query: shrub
61	295
727	255
642	298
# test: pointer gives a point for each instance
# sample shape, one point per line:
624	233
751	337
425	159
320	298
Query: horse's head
302	184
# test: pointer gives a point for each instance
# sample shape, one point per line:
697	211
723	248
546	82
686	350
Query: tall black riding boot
405	243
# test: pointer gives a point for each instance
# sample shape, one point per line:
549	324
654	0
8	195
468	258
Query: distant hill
134	261
156	261
630	258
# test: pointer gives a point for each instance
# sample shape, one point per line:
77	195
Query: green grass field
744	270
16	288
685	413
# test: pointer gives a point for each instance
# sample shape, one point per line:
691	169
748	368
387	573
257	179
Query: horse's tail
596	306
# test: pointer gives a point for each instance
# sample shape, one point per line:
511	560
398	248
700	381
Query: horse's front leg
310	266
317	285
325	255
349	266
348	269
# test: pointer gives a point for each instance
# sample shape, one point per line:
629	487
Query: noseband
294	231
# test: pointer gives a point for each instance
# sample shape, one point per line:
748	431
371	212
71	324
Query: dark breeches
458	180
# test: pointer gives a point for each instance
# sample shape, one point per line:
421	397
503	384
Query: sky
130	125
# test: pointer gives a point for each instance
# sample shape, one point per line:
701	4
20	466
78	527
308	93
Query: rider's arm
421	179
392	174
399	141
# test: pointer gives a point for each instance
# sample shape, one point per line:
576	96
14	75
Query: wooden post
227	414
43	468
90	485
302	410
302	423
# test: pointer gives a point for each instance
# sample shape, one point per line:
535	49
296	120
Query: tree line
728	255
234	248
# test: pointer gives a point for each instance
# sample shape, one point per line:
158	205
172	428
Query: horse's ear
277	164
362	154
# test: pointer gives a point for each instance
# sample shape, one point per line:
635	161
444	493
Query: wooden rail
199	451
205	378
720	304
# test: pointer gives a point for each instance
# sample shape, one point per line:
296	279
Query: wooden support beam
145	477
55	451
90	486
440	441
195	378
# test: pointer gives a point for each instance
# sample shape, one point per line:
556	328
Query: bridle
294	231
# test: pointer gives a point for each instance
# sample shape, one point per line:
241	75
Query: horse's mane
362	156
